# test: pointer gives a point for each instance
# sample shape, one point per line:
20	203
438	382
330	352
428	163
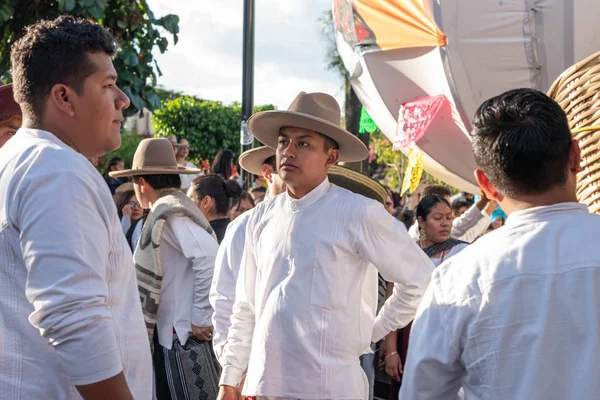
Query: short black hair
521	141
427	203
165	181
53	52
272	162
458	204
439	190
329	143
258	189
215	187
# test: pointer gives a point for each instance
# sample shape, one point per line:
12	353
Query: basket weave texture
577	90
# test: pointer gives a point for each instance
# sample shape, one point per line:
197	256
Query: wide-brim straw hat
8	105
357	183
318	112
154	157
252	160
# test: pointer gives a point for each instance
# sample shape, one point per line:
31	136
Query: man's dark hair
329	143
165	181
55	52
439	190
458	204
258	189
521	141
272	162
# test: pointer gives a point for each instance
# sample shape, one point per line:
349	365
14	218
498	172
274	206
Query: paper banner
414	171
414	119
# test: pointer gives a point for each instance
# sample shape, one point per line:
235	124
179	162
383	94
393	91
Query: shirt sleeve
468	220
222	293
125	223
478	230
200	248
236	354
65	243
385	243
432	369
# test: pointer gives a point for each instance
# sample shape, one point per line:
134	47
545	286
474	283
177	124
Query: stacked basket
577	90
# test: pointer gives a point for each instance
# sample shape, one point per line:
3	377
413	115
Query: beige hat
318	112
252	160
154	157
357	183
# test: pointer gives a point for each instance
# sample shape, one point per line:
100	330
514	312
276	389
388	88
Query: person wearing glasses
183	150
131	215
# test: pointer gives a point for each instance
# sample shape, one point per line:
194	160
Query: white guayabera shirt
70	311
307	293
514	316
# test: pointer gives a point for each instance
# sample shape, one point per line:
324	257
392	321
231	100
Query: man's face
460	212
8	128
302	162
98	109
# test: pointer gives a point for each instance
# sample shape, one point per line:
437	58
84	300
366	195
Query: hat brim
253	160
357	183
155	171
265	126
8	105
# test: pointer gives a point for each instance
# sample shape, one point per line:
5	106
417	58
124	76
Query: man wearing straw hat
10	114
70	319
517	314
300	319
174	261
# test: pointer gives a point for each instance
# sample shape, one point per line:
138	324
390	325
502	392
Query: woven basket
577	90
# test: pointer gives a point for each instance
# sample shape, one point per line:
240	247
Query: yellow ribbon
585	129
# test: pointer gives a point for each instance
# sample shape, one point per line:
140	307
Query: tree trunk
353	108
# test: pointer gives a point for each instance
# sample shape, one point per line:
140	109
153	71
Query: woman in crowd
434	216
244	203
114	164
223	164
213	197
131	215
183	151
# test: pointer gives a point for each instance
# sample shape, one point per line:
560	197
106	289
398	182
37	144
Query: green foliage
129	143
332	57
132	23
208	126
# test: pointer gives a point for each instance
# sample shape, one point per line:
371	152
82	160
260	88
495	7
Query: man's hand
393	366
227	393
382	354
483	201
202	333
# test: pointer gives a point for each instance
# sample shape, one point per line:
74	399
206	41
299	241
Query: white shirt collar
311	197
38	133
546	212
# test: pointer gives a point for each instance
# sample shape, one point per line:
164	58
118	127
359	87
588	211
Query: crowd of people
160	280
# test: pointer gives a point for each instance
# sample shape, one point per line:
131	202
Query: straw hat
357	183
252	160
318	112
154	157
8	105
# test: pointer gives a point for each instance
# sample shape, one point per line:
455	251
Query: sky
207	61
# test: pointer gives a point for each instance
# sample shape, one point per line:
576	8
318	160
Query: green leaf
126	76
122	24
129	57
88	3
96	12
69	5
101	3
153	100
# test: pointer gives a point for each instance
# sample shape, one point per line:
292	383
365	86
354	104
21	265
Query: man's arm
65	247
462	224
482	225
432	369
222	292
383	241
239	339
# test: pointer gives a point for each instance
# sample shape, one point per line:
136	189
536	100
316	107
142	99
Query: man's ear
61	96
575	157
486	186
267	173
333	156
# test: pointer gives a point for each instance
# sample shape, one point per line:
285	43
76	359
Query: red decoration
414	119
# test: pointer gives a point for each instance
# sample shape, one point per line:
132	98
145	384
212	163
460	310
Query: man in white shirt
174	261
260	162
307	290
71	324
516	315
